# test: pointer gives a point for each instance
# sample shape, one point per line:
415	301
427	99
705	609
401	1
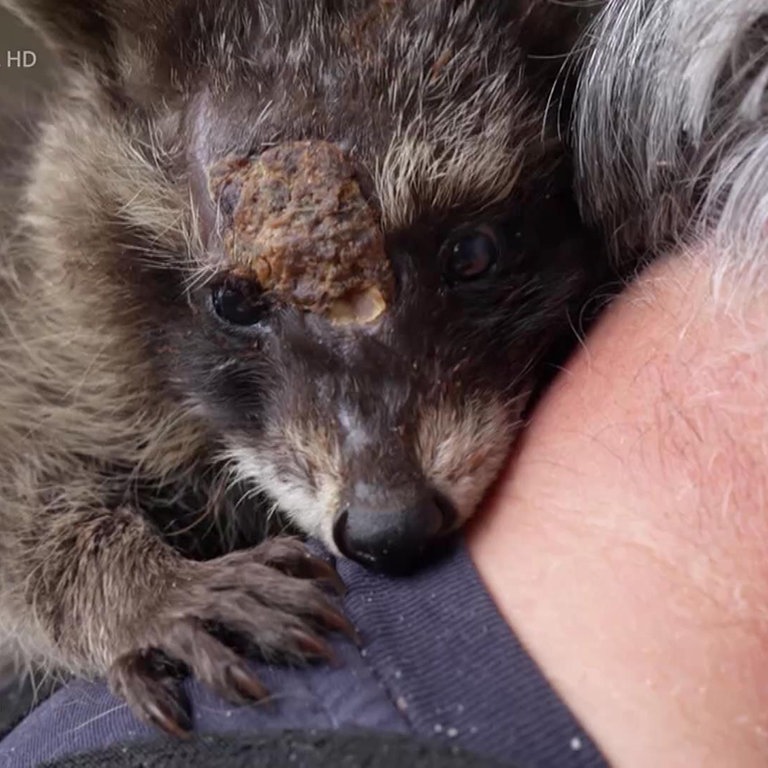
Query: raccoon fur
158	410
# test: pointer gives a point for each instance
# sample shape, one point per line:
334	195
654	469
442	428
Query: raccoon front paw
270	601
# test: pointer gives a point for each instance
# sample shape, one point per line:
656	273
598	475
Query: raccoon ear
550	29
549	34
79	31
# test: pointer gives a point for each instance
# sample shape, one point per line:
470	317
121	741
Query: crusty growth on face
303	256
301	226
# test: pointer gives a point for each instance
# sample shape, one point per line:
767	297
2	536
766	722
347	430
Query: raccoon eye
238	301
472	255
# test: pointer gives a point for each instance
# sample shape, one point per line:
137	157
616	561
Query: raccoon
172	409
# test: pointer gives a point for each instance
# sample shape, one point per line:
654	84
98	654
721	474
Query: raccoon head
373	394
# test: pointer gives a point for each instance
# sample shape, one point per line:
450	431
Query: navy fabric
438	661
275	749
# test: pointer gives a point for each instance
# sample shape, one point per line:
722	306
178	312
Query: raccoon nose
393	541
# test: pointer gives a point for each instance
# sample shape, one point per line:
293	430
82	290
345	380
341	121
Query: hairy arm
627	547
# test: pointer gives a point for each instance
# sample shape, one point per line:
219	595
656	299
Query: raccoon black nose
394	542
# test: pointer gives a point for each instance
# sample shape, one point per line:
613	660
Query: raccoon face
382	438
379	434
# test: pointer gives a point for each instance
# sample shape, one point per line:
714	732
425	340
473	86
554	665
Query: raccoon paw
271	601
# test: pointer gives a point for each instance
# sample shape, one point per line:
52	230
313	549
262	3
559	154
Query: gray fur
671	128
133	429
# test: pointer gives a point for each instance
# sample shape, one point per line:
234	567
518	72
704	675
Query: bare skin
627	546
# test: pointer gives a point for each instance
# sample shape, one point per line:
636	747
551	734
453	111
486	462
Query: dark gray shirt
437	661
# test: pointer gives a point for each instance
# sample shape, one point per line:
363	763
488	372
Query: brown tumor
297	220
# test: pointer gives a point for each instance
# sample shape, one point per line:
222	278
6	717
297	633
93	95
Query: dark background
14	36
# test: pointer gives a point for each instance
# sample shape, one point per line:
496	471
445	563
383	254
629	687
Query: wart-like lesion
295	219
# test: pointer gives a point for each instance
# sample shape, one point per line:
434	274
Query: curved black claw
155	696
